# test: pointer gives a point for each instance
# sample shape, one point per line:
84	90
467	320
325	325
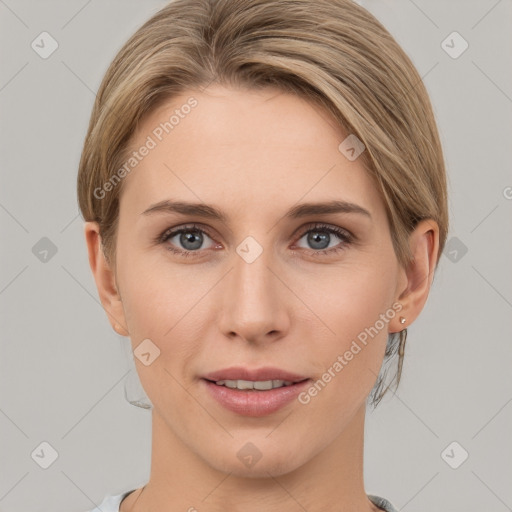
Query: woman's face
269	284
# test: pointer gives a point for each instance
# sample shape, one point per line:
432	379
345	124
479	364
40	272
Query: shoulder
382	503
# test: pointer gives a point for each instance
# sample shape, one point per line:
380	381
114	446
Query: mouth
254	392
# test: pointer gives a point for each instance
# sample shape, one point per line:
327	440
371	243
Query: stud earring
402	320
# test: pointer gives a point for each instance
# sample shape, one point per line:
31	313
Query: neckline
378	501
124	496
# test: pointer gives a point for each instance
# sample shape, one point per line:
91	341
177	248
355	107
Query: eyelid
166	234
338	230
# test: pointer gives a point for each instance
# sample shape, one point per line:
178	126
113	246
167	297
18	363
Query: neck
181	480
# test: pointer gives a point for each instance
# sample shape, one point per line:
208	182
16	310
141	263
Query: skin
254	155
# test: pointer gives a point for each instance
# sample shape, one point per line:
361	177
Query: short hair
331	52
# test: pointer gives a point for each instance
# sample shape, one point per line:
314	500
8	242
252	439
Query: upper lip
256	374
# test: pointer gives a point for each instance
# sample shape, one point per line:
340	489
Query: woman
264	193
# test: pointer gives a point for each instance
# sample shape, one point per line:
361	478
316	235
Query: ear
416	278
105	279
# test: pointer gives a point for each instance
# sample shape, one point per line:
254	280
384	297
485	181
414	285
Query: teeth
260	385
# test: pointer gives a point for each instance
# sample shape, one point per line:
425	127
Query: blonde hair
331	52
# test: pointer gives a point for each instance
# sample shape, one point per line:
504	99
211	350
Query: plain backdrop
442	442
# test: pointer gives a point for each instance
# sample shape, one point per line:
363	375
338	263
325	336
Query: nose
253	306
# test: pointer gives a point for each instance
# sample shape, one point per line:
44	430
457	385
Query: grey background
63	369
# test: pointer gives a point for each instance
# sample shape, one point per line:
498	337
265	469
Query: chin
262	469
258	459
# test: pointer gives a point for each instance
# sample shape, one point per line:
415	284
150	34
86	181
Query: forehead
251	149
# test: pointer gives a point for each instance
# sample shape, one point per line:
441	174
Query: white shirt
111	502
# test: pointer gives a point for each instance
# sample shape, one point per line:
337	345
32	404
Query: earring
402	320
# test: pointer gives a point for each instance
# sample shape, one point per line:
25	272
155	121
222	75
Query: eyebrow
210	212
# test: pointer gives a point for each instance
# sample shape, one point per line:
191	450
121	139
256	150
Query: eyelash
345	236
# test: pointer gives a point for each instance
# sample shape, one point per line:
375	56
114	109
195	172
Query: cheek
357	308
166	310
350	298
156	294
168	305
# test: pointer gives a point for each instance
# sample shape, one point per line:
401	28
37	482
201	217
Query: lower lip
255	403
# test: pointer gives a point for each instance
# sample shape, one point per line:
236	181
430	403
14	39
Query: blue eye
320	237
192	237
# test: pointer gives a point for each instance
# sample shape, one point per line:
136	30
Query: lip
250	402
254	403
265	373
